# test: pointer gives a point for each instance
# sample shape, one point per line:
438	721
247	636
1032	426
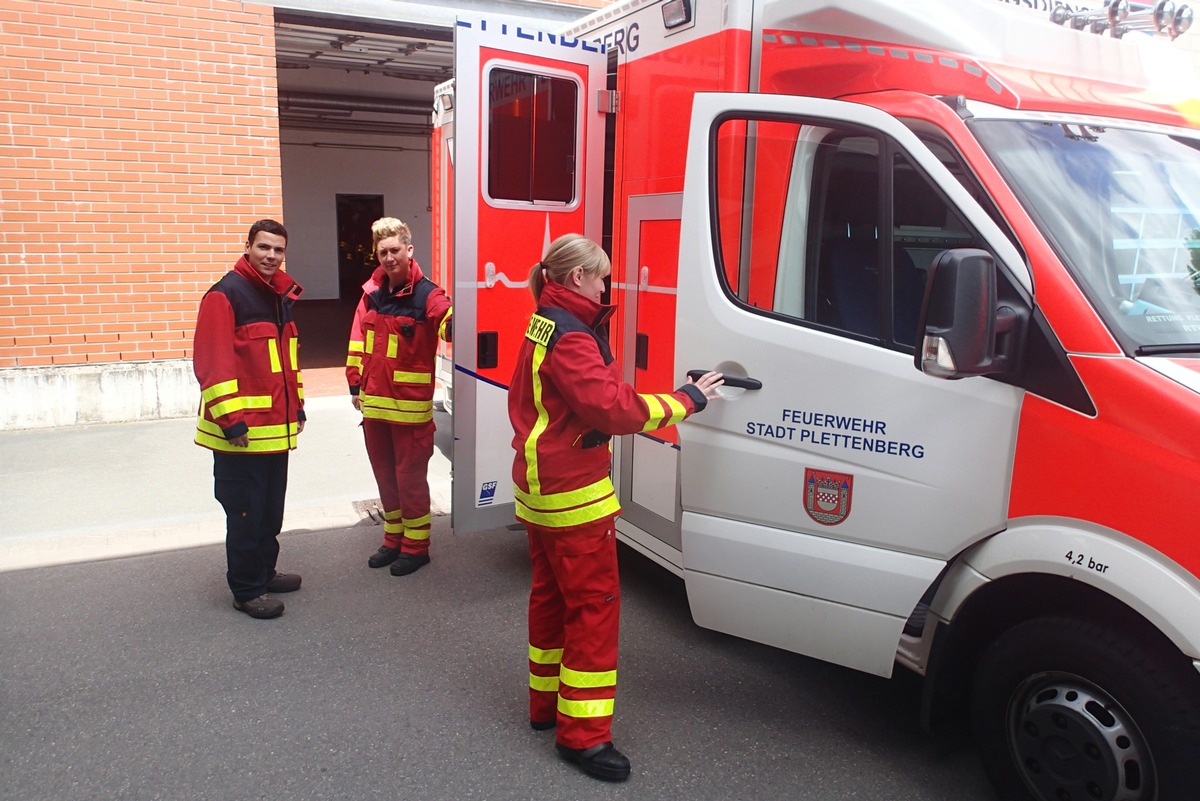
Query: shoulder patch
540	330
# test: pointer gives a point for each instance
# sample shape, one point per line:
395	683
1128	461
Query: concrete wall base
44	397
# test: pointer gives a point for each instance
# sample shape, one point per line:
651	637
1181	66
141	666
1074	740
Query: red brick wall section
138	142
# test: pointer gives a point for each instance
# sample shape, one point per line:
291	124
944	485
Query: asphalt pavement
125	673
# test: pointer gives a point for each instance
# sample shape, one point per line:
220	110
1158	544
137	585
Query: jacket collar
589	312
379	279
280	284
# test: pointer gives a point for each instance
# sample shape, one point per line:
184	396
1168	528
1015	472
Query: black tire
1067	710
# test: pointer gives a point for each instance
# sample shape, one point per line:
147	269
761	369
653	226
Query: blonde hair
565	254
389	226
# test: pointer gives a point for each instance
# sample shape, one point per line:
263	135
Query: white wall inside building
319	166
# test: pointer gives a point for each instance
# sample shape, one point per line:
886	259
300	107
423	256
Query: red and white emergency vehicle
841	204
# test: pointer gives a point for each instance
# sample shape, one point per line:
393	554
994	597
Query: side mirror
960	320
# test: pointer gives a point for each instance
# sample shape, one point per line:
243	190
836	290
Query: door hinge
608	100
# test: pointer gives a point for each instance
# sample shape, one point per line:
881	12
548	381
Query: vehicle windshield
1122	208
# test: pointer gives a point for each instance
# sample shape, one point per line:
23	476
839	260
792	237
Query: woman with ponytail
566	400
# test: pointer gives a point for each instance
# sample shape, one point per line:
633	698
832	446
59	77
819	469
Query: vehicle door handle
730	381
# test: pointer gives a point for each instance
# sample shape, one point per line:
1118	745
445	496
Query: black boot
383	557
602	761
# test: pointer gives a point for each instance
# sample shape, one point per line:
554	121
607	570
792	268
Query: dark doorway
356	260
325	324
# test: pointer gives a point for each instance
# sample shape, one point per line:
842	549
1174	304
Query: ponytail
565	254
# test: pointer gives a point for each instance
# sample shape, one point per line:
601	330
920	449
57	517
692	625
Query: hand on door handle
730	381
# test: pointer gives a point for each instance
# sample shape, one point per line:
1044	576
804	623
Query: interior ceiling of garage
361	75
389	69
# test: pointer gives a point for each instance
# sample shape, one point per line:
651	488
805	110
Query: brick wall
138	141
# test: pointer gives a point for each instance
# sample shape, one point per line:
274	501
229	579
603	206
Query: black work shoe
409	563
602	761
542	725
383	557
263	607
284	582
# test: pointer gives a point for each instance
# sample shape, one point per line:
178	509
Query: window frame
486	136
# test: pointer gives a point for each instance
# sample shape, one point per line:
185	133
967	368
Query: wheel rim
1071	741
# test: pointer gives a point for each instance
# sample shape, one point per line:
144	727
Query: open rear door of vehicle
528	168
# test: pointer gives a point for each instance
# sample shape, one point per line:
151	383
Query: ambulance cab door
822	497
528	166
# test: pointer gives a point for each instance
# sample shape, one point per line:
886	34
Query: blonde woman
566	400
390	368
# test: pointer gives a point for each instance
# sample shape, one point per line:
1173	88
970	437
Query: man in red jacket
251	410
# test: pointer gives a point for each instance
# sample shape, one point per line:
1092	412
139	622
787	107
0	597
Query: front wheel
1068	710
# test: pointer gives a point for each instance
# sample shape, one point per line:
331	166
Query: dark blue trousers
251	488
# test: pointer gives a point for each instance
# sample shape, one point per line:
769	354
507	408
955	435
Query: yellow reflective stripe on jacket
599	708
384	402
219	390
565	500
293	352
260	432
599	510
545	684
406	377
255	446
378	407
354	361
356	346
545	656
262	438
375	413
445	323
240	404
273	350
543	417
393	346
370	345
587	678
655	404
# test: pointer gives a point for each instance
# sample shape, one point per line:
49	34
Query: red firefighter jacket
565	402
393	347
244	355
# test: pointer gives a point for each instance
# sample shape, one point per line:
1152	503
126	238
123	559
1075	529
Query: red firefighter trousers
399	457
574	614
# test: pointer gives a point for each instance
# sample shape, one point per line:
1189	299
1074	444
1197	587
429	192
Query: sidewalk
80	493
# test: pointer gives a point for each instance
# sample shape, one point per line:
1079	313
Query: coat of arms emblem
827	495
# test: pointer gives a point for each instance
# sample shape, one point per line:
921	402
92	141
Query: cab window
827	226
